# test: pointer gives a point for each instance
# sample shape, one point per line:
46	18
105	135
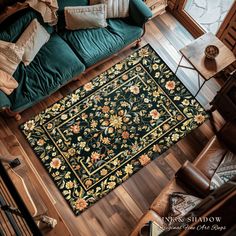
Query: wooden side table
194	53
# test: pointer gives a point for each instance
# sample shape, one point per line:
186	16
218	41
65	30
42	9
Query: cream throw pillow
7	83
10	56
32	39
115	8
84	17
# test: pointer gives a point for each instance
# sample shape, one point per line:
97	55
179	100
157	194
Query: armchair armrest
4	101
210	157
139	12
193	179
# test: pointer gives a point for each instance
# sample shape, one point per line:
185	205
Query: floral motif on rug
94	139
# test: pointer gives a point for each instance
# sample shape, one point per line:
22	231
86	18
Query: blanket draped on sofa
47	8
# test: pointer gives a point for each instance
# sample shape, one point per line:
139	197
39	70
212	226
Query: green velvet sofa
67	53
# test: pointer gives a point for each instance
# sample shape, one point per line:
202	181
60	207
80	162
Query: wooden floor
117	213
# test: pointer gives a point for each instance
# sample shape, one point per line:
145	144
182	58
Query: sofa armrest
4	101
139	12
193	179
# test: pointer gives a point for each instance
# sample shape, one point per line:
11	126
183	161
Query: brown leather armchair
193	178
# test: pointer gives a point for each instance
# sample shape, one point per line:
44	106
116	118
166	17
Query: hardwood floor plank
4	129
158	178
172	162
173	24
128	202
173	38
143	196
164	166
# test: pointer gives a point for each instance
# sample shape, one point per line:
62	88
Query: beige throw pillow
115	8
10	56
84	17
7	83
32	39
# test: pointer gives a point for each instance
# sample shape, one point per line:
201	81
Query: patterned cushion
115	8
225	171
10	56
84	17
32	39
181	203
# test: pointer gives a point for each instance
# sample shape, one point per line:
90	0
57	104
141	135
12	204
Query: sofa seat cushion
54	65
93	45
124	29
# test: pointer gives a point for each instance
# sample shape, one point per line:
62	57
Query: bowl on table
211	51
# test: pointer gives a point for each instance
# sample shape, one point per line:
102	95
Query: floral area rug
97	137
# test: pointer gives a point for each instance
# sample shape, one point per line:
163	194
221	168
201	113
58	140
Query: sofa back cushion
13	26
67	3
70	3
